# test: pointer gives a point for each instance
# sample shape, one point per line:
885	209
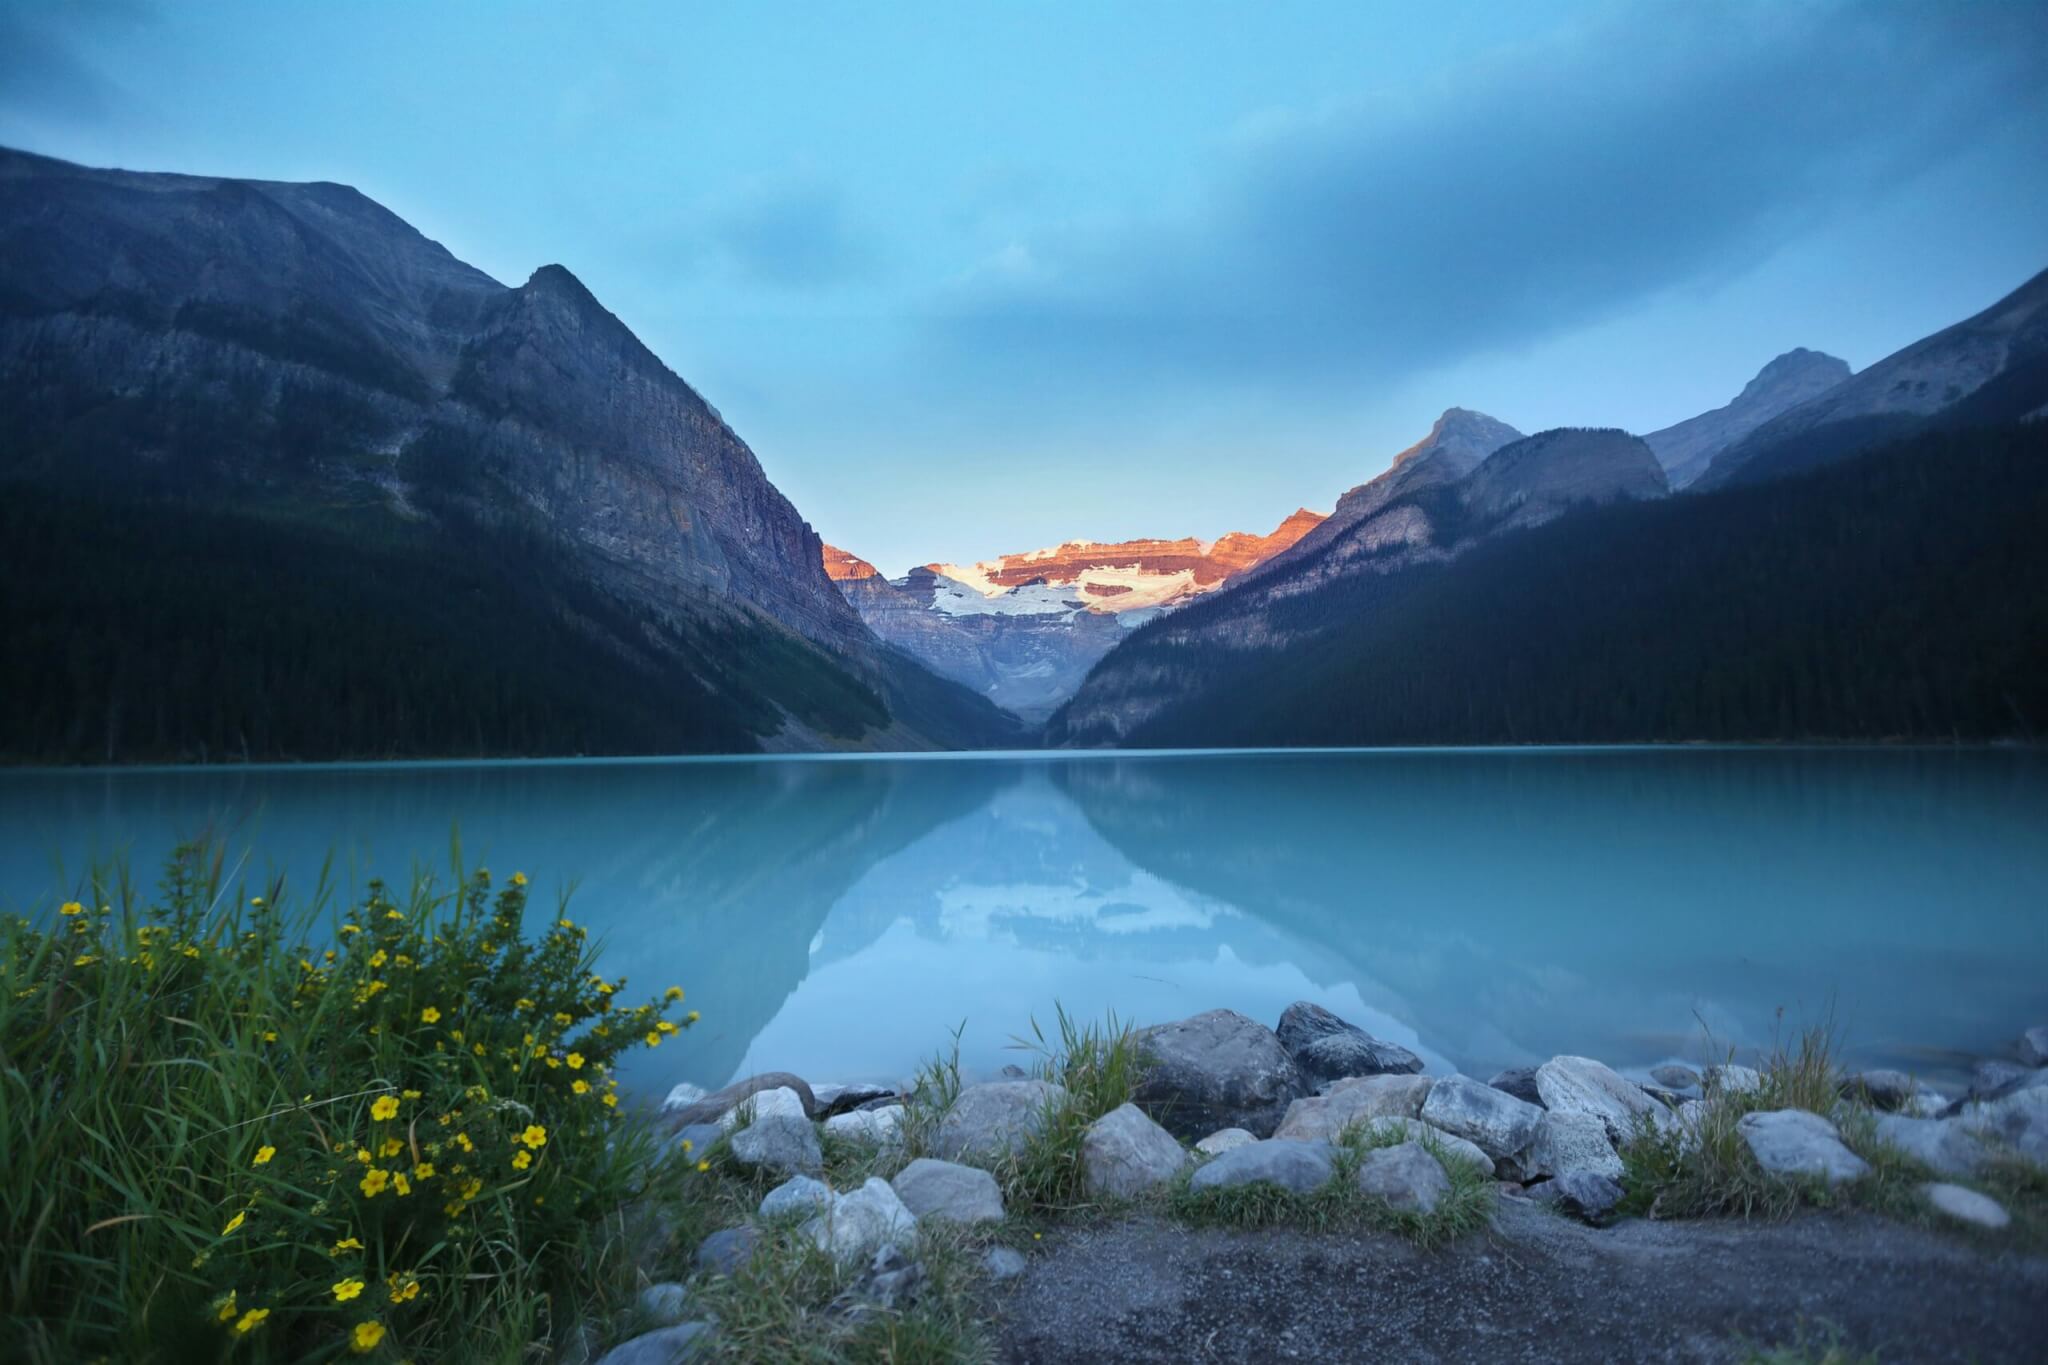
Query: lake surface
839	917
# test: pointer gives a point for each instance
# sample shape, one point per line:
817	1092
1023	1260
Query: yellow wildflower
346	1244
703	1166
390	1147
664	1027
384	1107
234	1223
72	908
611	1101
479	1049
409	1094
423	1171
564	1019
523	1003
462	1141
518	879
580	1086
263	1155
363	1155
692	1017
653	1038
226	1307
373	1182
251	1320
521	1160
366	1337
401	1184
84	960
344	1290
430	1015
575	1060
378	959
672	993
256	901
534	1136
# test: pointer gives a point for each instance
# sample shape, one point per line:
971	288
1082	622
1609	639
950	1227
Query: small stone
682	1096
798	1194
862	1221
890	1284
664	1304
1881	1089
1733	1080
1966	1205
780	1143
2033	1046
1519	1081
1796	1142
1567	1142
988	1122
946	1191
1407	1177
1296	1166
1580	1085
1944	1146
882	1127
1002	1263
1492	1120
1582	1194
1223	1140
663	1346
779	1101
1675	1076
726	1250
1124	1153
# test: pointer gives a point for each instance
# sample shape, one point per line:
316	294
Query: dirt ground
1536	1288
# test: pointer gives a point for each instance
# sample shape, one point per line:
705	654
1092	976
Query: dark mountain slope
1685	449
1903	594
298	357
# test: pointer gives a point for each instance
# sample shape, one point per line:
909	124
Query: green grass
216	1138
1339	1205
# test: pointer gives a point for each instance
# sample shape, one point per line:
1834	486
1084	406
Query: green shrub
214	1138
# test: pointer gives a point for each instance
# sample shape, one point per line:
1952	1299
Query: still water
840	917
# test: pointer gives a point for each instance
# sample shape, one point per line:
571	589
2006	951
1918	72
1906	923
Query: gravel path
1536	1288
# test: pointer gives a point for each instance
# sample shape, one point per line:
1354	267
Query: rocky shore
1224	1115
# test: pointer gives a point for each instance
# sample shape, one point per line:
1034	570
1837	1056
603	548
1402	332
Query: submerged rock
1296	1166
1796	1142
1216	1070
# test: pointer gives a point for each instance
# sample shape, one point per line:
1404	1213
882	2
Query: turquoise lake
839	917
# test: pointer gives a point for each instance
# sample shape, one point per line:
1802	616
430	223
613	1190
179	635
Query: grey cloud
792	232
1536	191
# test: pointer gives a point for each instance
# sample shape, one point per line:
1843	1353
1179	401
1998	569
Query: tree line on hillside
1903	594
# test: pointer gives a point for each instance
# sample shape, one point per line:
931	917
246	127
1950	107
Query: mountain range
284	478
1024	629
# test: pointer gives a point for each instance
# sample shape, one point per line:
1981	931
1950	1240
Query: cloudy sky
974	278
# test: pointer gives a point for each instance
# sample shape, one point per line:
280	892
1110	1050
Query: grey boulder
1448	1146
948	1192
664	1304
995	1120
1492	1120
663	1346
1580	1085
1326	1047
882	1127
774	1102
2017	1120
780	1143
1405	1176
1566	1143
2033	1046
1388	1096
1296	1166
1216	1070
1124	1153
1731	1079
1582	1194
1519	1081
1222	1140
1795	1142
1675	1077
798	1194
1880	1089
861	1222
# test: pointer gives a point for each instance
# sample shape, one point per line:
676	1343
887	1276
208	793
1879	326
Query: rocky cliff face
1685	449
1440	497
1989	368
298	347
1024	629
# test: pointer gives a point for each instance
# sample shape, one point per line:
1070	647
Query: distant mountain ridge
1685	449
298	352
1024	629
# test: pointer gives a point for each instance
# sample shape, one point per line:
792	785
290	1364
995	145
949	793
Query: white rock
1795	1142
798	1194
1580	1085
781	1144
682	1097
1003	1263
882	1127
1223	1139
1966	1205
1493	1120
780	1100
1567	1142
1296	1166
861	1221
2018	1120
1734	1080
1944	1146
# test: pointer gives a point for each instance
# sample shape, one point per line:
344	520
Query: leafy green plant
215	1138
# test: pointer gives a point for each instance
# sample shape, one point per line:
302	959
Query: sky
973	278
